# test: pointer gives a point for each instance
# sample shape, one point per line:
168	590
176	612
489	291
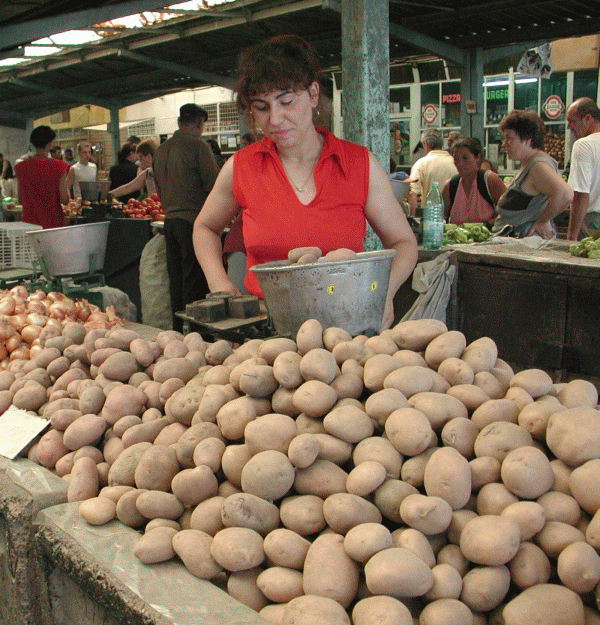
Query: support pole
366	81
471	88
113	130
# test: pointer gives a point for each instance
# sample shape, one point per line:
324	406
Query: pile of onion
23	316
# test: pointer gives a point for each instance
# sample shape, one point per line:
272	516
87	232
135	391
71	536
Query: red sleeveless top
274	221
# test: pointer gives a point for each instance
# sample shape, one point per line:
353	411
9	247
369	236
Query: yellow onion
36	319
14	342
7	305
31	332
21	353
6	329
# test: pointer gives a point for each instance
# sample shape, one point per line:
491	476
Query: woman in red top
43	182
299	185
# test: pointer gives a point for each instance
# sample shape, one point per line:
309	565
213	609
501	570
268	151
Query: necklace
300	189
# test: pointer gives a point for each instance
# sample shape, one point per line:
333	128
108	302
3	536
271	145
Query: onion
31	332
6	329
51	321
14	342
84	313
57	310
36	319
3	351
7	305
38	296
21	353
18	321
19	291
35	349
36	306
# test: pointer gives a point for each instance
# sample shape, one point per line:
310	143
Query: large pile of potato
398	479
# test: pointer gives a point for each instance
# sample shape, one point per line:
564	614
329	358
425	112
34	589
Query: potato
497	439
86	430
309	336
578	393
183	403
295	254
470	395
348	423
379	449
156	468
271	348
206	516
270	431
550	604
232	462
535	381
191	486
415	541
484	587
314	398
399	573
573	435
578	567
389	496
333	336
154	504
493	498
495	410
452	555
417	334
439	408
98	510
382	403
451	344
180	368
377	368
448	475
561	507
268	474
258	381
233	417
456	371
382	610
481	354
209	452
365	539
303	450
194	549
534	418
409	431
410	380
343	511
319	364
555	536
343	253
413	469
310	609
282	402
526	472
366	477
247	510
490	540
329	571
430	515
286	369
280	584
122	471
155	545
530	566
460	433
286	548
84	482
119	366
447	583
242	586
446	610
303	514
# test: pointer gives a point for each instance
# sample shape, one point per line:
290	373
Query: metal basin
95	191
71	250
348	294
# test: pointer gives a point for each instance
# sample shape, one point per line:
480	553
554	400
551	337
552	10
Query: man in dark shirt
185	171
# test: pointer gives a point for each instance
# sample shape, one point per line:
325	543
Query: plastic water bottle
433	219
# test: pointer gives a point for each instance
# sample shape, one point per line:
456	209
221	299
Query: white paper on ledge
17	429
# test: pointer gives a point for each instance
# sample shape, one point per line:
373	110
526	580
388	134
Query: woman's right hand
224	286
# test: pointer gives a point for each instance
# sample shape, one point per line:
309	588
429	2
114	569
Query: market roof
199	47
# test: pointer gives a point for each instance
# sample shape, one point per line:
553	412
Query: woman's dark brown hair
147	147
472	144
527	125
282	62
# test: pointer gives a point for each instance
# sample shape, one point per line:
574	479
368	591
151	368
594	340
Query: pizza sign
553	106
429	113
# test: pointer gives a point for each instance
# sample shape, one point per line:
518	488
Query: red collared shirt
275	221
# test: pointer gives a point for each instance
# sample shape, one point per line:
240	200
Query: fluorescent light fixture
502	82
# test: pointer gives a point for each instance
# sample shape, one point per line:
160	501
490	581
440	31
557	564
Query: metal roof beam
18	34
78	96
441	49
209	77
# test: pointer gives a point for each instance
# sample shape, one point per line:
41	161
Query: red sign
553	106
429	113
450	98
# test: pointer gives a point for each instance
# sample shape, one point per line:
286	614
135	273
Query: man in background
436	166
82	171
185	171
56	152
583	119
69	160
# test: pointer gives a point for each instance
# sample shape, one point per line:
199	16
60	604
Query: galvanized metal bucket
71	250
348	294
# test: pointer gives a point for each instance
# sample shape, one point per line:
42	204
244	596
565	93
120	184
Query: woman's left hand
543	228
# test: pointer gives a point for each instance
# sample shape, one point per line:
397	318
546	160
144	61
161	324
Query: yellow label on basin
374	286
331	289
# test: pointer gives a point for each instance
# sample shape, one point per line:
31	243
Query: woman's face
145	160
466	162
515	147
285	116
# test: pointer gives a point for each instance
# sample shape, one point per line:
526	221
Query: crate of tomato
148	208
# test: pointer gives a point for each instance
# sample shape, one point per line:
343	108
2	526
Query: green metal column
471	88
113	130
366	81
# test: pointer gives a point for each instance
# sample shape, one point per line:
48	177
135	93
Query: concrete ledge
25	489
100	561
